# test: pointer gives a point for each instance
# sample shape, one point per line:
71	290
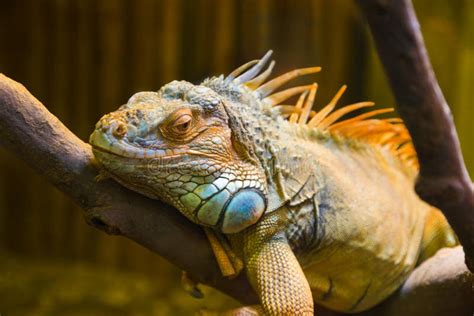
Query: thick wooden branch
443	180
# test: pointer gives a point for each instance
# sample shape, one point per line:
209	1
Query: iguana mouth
101	142
119	148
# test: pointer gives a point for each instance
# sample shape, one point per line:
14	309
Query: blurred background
84	58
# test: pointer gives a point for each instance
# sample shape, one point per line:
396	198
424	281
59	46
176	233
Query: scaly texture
317	208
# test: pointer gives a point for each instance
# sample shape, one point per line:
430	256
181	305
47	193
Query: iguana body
317	209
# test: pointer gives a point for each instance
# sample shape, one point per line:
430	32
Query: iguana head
211	150
178	145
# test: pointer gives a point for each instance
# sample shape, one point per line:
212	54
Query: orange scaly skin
319	209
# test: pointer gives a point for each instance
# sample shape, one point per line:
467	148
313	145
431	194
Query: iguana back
348	205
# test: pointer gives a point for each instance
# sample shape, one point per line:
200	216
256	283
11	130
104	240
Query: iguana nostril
119	130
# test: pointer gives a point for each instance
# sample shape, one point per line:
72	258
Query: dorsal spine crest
246	85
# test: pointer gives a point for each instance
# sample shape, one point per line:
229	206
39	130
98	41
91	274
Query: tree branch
443	180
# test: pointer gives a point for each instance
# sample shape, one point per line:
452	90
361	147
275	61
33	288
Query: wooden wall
84	58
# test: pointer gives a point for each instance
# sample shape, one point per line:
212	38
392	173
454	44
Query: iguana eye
183	123
179	126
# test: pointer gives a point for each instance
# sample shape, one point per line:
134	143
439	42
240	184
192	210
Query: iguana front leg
274	272
277	277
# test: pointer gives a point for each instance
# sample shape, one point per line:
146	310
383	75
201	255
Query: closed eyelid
180	126
182	119
173	116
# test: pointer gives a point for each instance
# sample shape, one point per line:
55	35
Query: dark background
84	58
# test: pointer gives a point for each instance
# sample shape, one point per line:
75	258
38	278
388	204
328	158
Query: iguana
318	208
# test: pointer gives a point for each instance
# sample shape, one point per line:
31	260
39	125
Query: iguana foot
190	285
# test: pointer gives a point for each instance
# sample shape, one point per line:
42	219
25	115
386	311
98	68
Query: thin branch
443	180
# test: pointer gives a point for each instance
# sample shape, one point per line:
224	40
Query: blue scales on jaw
225	205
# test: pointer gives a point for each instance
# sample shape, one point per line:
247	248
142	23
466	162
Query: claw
190	285
103	175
